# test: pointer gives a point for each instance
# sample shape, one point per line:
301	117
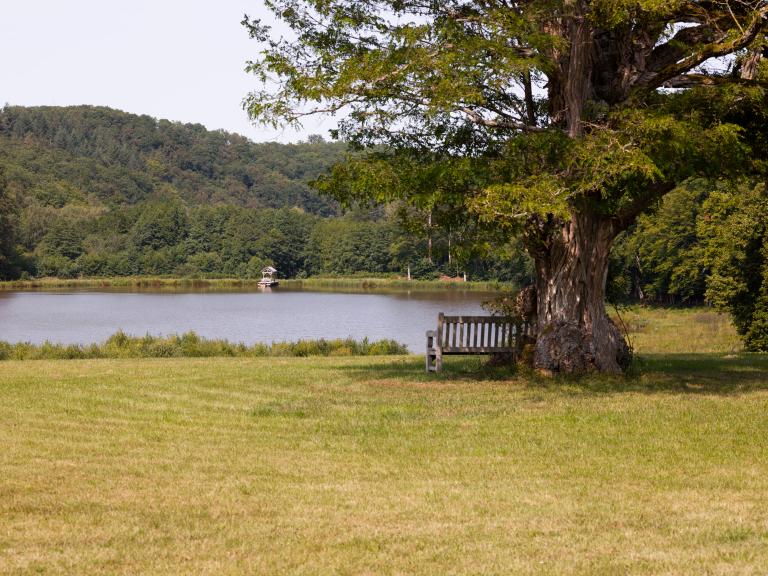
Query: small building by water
268	277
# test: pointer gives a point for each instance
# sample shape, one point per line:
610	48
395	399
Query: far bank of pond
239	284
236	312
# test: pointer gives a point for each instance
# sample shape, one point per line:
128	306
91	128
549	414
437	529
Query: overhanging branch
501	123
699	80
626	217
715	49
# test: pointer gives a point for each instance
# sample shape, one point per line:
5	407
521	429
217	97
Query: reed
191	345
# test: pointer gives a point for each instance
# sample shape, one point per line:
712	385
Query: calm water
82	317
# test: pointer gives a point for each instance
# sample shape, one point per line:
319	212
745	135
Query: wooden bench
472	335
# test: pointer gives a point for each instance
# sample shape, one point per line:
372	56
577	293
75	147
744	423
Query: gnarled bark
573	331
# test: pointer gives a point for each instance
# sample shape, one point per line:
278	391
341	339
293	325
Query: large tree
559	119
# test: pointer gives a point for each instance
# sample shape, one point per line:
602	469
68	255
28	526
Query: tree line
171	238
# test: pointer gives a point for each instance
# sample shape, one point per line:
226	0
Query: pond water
85	316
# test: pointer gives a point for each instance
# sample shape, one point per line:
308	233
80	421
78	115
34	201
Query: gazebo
268	277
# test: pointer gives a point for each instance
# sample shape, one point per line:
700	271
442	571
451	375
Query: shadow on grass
651	373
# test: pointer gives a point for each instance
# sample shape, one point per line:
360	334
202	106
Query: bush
424	270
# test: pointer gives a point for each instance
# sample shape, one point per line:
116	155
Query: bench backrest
479	334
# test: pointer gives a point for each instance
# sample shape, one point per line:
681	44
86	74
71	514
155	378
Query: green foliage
707	240
64	238
447	81
160	225
345	246
8	231
660	259
424	270
735	226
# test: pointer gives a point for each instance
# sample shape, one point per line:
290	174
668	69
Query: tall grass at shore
191	345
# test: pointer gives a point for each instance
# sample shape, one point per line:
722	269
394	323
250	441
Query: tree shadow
721	374
411	369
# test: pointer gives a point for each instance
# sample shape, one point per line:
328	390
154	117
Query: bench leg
430	355
434	355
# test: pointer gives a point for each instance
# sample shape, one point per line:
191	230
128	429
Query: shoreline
318	283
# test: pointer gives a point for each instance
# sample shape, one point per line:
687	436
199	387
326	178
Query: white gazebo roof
269	270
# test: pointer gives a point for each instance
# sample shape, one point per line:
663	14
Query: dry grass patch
670	330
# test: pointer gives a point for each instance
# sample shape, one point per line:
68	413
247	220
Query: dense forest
89	191
103	157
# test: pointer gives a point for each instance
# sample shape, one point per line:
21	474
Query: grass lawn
370	466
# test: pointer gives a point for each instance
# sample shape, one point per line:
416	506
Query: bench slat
473	350
468	319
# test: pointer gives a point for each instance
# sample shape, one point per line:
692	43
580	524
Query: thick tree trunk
574	333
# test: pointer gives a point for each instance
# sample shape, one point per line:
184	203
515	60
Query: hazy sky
176	59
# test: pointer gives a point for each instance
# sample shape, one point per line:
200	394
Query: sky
182	60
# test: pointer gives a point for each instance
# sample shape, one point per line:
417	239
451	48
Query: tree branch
480	120
653	79
699	80
626	217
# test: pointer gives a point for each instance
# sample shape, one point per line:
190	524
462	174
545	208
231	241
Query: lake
280	314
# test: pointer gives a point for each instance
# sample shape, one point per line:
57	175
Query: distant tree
660	258
64	238
734	230
344	246
206	228
9	266
255	265
206	263
160	225
424	269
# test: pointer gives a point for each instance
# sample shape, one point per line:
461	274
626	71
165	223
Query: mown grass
370	466
191	345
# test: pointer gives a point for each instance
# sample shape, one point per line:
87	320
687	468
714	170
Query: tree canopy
559	119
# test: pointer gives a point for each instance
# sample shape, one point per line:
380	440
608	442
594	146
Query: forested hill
91	191
100	156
